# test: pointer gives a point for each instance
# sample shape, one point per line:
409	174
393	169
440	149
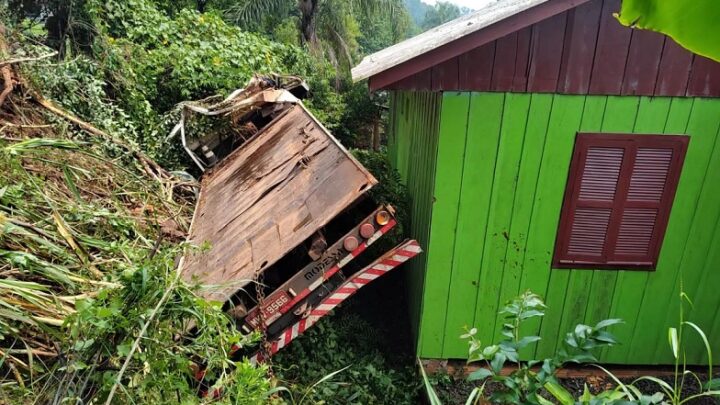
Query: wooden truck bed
266	198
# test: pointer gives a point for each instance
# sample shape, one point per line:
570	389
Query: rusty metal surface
266	198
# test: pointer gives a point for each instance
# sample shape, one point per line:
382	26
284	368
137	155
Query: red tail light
350	243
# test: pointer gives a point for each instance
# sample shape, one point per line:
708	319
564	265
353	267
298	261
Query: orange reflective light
382	217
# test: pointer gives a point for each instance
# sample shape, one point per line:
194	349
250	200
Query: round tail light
382	217
367	230
350	243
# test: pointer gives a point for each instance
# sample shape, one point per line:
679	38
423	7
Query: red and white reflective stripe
389	261
326	275
340	264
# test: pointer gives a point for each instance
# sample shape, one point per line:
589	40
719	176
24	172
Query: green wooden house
547	147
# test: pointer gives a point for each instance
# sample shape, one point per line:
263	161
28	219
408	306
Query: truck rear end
282	213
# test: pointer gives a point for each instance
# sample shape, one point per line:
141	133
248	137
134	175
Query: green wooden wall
412	146
500	164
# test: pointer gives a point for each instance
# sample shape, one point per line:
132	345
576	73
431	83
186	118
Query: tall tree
321	23
442	12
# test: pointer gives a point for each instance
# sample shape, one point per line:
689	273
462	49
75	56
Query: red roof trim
471	41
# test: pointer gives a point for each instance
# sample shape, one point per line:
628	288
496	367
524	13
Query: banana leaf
691	23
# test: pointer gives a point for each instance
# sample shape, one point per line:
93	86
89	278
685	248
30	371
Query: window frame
629	141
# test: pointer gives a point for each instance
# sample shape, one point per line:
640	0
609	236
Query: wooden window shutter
618	200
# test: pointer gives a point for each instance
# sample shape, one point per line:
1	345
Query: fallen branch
26	59
6	71
7	82
154	170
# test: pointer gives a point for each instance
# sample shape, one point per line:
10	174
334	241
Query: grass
90	306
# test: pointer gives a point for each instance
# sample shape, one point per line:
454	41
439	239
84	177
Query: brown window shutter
618	199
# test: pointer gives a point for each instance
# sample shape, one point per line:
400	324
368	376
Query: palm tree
322	24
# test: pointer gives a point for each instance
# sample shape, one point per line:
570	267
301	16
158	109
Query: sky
473	4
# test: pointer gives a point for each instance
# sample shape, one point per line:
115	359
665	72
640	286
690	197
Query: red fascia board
471	41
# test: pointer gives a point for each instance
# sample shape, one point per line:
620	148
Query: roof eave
411	56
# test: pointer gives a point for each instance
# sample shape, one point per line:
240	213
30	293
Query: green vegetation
673	393
328	27
143	62
91	228
523	385
89	242
371	374
440	13
535	381
427	16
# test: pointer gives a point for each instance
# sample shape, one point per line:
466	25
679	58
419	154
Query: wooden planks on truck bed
266	198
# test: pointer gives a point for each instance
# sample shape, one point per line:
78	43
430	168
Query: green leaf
673	340
665	386
497	362
83	344
490	351
560	393
474	394
606	337
713	384
531	314
432	395
625	388
543	401
124	349
656	398
705	341
70	183
527	340
480	374
33	143
586	395
692	24
608	322
582	331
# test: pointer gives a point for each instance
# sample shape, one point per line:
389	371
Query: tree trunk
376	134
308	12
5	71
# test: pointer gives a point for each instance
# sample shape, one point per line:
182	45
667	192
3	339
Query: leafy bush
345	340
389	190
145	61
523	384
187	56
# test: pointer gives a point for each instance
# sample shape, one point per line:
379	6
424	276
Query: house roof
456	37
439	36
536	46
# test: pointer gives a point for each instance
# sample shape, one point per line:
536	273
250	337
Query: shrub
523	384
346	340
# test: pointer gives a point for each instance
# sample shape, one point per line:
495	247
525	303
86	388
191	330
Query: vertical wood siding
583	50
412	147
502	166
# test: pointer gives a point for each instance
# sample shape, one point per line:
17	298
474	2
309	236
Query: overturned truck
283	211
